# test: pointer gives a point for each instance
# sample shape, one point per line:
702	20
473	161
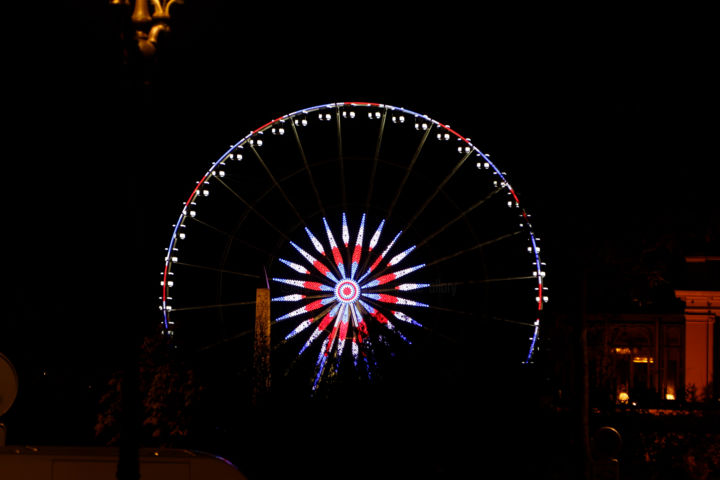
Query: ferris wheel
373	226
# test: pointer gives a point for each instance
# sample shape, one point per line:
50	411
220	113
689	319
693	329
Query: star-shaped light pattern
343	289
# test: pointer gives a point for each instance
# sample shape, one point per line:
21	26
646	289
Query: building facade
636	358
649	359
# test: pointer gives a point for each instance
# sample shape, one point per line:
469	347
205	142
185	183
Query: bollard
606	445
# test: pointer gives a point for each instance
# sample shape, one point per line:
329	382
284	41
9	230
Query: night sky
604	120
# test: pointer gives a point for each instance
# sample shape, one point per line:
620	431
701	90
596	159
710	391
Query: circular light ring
347	291
299	118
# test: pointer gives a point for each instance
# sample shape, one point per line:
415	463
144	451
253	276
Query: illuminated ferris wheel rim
398	114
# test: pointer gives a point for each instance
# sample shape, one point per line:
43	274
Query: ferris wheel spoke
334	249
357	250
302	326
326	314
460	216
213	306
311	177
233	237
319	266
404	287
409	169
376	156
371	246
391	277
341	157
328	318
216	269
394	300
474	247
210	227
383	318
385	322
450	285
379	277
226	340
277	184
438	189
254	210
457	312
317	286
272	187
378	260
495	318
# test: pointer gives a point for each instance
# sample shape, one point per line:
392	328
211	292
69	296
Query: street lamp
140	33
148	27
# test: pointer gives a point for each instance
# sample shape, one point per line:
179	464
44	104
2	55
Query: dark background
604	120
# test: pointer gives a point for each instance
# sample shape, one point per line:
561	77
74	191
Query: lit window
639	359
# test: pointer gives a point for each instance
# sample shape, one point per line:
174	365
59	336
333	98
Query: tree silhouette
168	390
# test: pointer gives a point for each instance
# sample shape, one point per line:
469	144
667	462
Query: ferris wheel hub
347	291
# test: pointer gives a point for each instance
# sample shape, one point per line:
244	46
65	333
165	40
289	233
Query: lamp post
140	33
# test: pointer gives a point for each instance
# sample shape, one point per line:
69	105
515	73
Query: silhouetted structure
648	358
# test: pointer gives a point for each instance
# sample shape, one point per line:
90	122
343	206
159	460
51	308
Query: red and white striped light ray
350	301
